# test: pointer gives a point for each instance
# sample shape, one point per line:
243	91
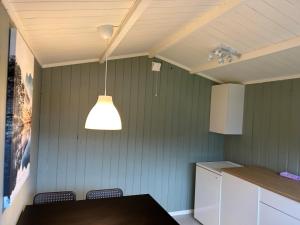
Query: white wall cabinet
227	108
239	204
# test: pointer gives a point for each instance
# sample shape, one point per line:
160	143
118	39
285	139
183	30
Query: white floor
186	220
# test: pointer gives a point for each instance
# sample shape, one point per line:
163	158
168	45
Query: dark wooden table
128	210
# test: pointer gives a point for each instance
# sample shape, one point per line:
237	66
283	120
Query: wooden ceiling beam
133	15
197	23
270	49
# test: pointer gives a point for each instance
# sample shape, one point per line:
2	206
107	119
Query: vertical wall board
44	130
54	127
91	169
141	76
115	138
132	124
154	134
145	186
294	150
36	106
248	125
204	132
64	130
174	155
108	151
127	108
257	126
168	89
194	138
284	103
161	87
187	124
99	135
265	125
72	136
122	153
273	133
82	133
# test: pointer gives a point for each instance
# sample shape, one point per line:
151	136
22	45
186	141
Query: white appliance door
207	197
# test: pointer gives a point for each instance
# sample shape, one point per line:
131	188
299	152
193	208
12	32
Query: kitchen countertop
267	179
217	166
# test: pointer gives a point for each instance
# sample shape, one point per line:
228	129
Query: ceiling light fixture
224	54
104	115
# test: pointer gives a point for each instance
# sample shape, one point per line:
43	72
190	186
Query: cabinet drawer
271	216
281	203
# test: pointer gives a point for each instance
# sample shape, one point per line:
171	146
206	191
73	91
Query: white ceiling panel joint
197	23
270	49
133	15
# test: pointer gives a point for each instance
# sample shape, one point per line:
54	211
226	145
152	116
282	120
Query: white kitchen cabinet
250	196
276	209
271	216
208	191
227	107
281	203
207	196
239	205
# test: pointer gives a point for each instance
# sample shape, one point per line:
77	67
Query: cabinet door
271	216
239	204
207	197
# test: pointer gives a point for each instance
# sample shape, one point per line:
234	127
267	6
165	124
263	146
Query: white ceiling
65	31
161	18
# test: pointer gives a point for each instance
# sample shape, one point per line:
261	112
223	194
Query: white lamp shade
104	115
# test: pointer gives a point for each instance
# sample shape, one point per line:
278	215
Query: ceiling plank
19	25
133	15
273	48
201	21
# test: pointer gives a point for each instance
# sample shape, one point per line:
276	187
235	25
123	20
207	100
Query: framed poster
18	117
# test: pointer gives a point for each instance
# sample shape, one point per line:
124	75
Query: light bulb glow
104	115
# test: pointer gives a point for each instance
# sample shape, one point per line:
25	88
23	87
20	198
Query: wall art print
18	117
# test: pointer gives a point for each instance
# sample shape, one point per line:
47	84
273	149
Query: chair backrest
104	193
51	197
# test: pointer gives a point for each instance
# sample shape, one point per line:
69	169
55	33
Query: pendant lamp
104	115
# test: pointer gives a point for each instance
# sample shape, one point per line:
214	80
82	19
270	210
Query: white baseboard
182	212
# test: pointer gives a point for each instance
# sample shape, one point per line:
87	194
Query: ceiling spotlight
223	54
221	60
229	58
210	56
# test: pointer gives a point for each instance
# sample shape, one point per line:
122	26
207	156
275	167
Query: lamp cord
105	68
156	84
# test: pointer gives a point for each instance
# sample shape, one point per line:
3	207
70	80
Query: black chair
104	193
52	197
